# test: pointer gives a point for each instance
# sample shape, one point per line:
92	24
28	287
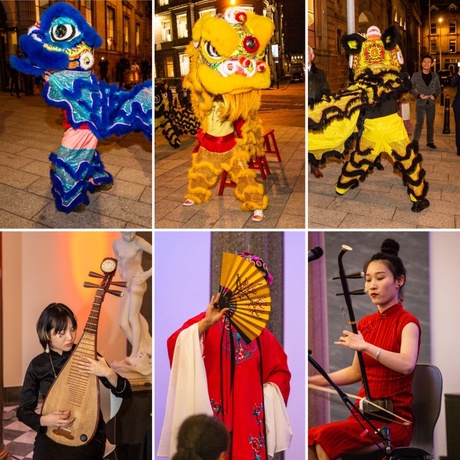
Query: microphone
385	434
314	254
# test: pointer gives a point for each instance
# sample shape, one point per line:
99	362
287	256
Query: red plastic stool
270	145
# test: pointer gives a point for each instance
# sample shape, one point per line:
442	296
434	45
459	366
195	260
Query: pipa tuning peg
117	293
90	285
95	275
120	283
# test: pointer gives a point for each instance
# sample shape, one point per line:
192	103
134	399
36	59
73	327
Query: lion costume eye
251	44
211	51
63	32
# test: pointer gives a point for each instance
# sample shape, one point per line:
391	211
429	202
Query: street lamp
440	61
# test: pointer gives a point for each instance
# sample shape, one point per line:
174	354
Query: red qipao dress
236	374
383	330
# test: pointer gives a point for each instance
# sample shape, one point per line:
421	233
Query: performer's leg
314	166
355	170
100	178
71	169
248	190
410	165
202	176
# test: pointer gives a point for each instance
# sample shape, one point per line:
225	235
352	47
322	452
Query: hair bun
390	246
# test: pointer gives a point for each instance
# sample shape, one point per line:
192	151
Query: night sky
294	25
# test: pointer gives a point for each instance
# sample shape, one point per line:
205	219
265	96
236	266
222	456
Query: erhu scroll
73	390
385	404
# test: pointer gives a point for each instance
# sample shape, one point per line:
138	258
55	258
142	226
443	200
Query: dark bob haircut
54	316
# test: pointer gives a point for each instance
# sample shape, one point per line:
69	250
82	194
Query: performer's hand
60	419
98	367
213	315
353	341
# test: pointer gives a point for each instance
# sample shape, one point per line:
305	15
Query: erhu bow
374	407
74	390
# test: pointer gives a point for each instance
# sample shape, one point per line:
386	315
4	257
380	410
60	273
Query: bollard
446	129
441	102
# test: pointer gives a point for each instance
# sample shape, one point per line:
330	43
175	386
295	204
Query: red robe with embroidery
238	400
383	330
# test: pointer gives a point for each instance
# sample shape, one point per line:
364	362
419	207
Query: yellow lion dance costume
227	74
369	106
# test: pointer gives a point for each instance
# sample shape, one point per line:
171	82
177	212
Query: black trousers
457	127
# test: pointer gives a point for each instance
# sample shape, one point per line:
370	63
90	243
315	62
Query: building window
167	30
163	2
453	45
433	47
339	41
138	38
453	27
182	31
111	29
87	11
125	34
40	7
433	28
209	10
184	64
169	67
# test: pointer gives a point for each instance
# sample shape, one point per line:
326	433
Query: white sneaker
188	203
258	215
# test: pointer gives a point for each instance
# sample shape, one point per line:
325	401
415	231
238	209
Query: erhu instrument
74	390
386	404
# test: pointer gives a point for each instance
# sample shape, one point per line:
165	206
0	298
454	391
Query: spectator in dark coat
318	87
456	107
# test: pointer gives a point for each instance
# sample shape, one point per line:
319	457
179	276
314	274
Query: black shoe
420	205
79	208
431	145
103	187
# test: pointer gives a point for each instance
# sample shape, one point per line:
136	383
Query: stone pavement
29	131
381	201
285	186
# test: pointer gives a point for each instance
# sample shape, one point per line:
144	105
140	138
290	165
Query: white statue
128	250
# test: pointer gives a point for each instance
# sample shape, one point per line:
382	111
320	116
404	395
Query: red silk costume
383	330
238	400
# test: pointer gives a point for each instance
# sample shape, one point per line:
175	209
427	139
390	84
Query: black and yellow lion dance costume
367	112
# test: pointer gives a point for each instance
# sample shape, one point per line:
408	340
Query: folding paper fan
244	290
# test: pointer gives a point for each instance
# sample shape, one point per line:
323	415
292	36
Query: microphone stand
383	432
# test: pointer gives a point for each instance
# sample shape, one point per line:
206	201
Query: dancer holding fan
227	364
389	341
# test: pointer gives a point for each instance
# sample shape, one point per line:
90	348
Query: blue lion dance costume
60	49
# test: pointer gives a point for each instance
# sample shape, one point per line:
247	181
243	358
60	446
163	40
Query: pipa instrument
74	390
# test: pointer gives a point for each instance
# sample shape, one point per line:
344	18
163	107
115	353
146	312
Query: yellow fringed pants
208	166
385	134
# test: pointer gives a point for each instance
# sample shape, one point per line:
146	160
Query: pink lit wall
182	290
44	267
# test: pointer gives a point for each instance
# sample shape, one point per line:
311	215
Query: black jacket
317	84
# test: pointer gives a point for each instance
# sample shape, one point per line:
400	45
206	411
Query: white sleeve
187	391
277	423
